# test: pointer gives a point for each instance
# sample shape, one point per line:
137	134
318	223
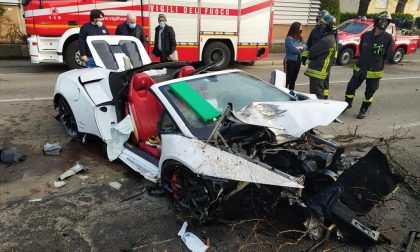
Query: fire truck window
106	54
131	50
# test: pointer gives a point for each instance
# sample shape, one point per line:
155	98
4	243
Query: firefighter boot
363	110
349	101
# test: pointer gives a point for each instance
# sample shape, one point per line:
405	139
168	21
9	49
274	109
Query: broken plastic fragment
52	149
119	135
77	167
315	227
10	156
56	184
115	185
192	241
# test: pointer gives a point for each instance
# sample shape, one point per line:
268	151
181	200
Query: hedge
350	15
333	7
418	22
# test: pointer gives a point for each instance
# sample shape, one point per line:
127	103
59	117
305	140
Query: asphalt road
87	214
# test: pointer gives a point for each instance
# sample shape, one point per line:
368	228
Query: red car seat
145	110
185	71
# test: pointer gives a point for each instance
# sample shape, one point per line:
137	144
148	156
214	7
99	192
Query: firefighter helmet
383	15
382	20
321	14
329	21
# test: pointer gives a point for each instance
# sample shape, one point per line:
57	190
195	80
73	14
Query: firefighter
314	37
375	46
321	56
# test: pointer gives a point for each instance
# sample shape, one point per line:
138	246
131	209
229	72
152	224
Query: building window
381	4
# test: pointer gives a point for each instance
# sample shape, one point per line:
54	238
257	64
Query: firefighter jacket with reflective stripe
321	56
374	50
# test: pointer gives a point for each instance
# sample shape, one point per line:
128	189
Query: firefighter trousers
371	86
316	86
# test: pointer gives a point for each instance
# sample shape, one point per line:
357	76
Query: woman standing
294	46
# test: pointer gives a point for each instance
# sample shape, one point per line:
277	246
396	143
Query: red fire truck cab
205	29
350	32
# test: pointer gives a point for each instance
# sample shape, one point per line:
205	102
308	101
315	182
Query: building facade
288	11
412	6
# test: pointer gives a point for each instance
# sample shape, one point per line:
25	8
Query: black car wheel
191	194
72	56
345	56
217	51
398	56
67	119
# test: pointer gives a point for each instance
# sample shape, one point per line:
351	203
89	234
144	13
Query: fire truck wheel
398	56
345	56
214	51
72	54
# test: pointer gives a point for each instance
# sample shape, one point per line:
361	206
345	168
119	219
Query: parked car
204	137
350	33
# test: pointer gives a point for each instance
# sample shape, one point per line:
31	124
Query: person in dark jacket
375	47
315	35
321	56
94	27
165	43
131	28
294	46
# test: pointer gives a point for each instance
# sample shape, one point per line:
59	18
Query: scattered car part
412	235
191	240
56	184
77	167
10	156
116	185
52	149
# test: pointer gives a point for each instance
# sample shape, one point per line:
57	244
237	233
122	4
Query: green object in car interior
195	101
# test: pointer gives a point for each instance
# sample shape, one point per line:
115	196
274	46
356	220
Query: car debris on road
10	156
53	149
77	167
191	240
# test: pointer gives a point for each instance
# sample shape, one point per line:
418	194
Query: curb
268	62
14	51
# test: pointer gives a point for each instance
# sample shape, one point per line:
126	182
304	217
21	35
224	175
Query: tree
332	6
363	7
401	6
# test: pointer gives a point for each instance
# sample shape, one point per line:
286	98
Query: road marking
383	79
406	125
27	99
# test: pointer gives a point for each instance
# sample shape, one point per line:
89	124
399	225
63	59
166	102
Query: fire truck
206	30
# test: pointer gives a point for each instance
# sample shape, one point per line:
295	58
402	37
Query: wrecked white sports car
206	136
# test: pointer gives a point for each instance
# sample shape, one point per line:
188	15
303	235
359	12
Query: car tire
345	56
67	119
72	55
398	56
190	193
214	51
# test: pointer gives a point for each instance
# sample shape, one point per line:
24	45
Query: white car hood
109	52
291	117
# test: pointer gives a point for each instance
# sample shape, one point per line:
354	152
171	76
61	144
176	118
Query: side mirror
278	79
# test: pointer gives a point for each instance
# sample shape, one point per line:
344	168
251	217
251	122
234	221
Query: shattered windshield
238	88
352	27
